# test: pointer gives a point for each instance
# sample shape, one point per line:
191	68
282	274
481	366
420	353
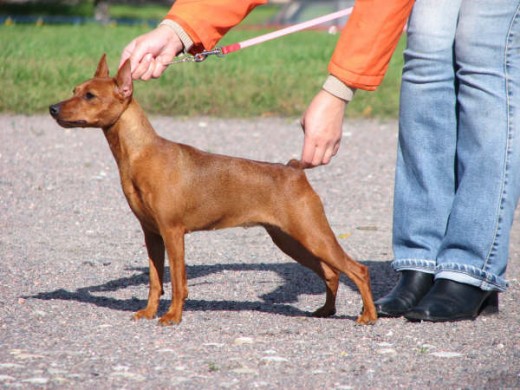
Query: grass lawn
41	64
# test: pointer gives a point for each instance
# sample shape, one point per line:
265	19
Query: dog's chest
139	200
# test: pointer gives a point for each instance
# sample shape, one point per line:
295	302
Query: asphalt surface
73	269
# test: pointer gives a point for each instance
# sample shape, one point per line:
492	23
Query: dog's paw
168	320
146	314
365	319
324	312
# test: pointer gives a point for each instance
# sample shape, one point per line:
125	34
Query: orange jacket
362	53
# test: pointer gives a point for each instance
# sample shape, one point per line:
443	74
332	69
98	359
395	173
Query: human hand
322	124
151	53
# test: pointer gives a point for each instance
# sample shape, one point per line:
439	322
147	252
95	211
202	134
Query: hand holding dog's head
98	102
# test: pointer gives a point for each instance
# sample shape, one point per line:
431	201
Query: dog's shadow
295	281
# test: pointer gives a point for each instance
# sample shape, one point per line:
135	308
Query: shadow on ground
296	281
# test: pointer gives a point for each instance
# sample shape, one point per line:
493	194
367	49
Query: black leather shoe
452	301
411	288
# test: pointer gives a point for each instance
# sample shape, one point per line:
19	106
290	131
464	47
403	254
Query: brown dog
174	189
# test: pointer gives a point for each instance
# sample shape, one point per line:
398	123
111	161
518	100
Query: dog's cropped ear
102	68
124	80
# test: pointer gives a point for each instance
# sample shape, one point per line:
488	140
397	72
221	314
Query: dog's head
98	102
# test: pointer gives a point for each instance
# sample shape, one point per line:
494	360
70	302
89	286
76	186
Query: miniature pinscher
174	189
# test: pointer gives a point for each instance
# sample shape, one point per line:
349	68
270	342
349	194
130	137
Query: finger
313	156
308	146
127	52
137	53
330	151
319	156
158	69
147	75
327	156
335	149
142	68
307	152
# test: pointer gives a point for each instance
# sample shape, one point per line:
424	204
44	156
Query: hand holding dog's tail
322	124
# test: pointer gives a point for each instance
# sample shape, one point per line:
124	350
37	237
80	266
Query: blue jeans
458	165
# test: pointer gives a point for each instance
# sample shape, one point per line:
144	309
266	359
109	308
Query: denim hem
470	275
457	272
423	265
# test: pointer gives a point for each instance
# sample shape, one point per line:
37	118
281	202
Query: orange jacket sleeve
208	21
367	42
362	53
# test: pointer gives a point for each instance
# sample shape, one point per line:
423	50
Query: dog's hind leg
305	222
155	249
298	252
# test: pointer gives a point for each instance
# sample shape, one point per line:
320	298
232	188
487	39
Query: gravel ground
73	269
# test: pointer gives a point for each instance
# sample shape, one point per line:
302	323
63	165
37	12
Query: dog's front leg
174	240
155	249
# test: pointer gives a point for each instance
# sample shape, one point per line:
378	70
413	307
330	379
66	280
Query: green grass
84	8
261	15
40	66
151	11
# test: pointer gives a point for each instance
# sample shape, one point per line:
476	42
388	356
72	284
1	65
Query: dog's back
214	191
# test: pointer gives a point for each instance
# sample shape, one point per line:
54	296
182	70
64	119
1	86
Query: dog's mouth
56	112
70	124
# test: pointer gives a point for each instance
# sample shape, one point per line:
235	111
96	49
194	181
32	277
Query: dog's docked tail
293	163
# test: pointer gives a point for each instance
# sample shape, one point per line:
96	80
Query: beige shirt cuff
338	88
183	36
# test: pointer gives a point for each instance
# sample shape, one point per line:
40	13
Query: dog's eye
89	96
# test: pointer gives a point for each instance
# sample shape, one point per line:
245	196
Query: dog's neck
130	134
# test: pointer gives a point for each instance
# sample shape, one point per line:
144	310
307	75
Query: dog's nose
54	110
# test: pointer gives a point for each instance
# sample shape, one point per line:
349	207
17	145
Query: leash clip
198	57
